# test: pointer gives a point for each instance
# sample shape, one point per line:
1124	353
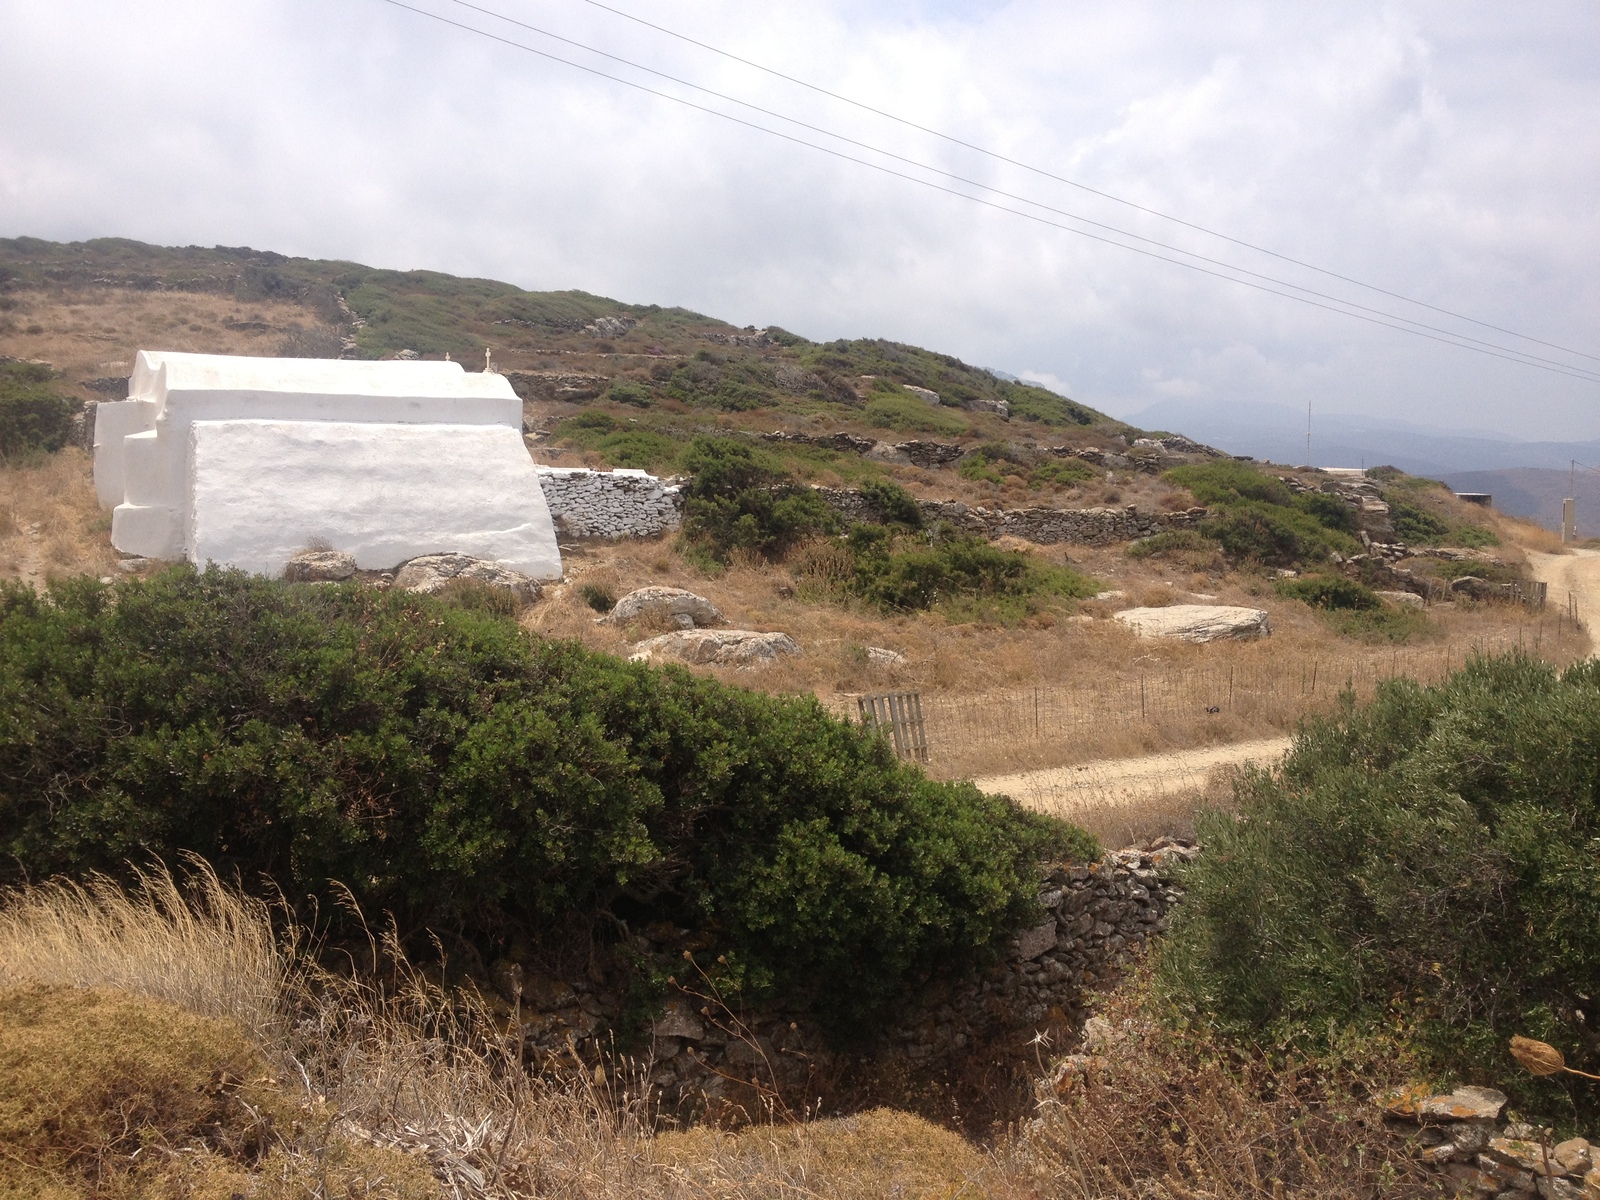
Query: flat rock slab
1196	622
433	572
674	604
723	647
1463	1104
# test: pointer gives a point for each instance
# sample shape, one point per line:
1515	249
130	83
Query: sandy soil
1064	791
1575	574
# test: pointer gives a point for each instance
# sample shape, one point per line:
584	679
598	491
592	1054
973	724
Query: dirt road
1118	781
1576	573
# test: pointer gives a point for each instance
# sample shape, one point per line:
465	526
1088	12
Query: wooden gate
898	716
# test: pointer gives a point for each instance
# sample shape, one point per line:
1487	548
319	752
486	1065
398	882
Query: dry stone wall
1043	526
611	504
703	1053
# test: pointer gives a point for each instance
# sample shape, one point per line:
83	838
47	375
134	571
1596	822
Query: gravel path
1116	781
1577	573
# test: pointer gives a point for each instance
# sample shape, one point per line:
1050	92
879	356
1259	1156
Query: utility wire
1000	192
1449	339
1040	171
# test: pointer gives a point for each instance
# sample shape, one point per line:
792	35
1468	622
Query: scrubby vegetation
1257	518
449	768
35	418
1424	866
1420	513
741	499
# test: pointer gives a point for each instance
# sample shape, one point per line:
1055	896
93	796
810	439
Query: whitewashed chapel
247	461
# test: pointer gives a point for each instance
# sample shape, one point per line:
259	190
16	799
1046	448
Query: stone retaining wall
613	504
1043	526
705	1054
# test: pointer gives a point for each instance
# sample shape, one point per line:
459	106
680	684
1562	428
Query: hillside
1010	638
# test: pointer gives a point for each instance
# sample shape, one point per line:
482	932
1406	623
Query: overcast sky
1449	152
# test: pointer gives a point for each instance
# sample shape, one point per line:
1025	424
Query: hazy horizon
1445	152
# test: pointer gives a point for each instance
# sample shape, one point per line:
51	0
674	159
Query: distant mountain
1278	432
1535	493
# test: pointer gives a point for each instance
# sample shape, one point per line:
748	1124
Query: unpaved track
1113	782
1576	573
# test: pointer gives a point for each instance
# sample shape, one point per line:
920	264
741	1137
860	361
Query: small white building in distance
247	461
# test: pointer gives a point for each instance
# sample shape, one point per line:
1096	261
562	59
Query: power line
961	179
1449	339
1043	173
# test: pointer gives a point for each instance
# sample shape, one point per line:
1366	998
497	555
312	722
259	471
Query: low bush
961	574
893	504
908	414
1257	518
35	418
741	498
448	767
1424	863
1381	625
628	392
1330	592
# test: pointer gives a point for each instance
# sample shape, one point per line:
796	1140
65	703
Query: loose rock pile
1461	1136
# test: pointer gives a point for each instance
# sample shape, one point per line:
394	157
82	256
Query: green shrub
741	498
1329	591
598	597
907	414
1257	518
620	444
893	504
1426	861
957	572
452	769
628	392
34	417
1381	625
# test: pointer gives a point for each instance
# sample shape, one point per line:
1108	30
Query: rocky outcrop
319	566
719	647
672	605
1196	622
569	386
434	572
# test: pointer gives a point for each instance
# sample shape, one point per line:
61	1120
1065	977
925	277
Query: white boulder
319	566
1196	622
433	572
722	647
675	605
1402	599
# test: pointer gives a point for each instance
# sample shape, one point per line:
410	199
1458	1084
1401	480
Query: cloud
1446	152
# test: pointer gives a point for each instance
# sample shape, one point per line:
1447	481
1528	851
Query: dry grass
1053	690
1163	1112
348	1090
93	333
50	523
154	999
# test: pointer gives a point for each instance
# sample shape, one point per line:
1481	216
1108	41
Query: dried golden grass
175	987
93	333
1052	690
1166	1111
50	524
